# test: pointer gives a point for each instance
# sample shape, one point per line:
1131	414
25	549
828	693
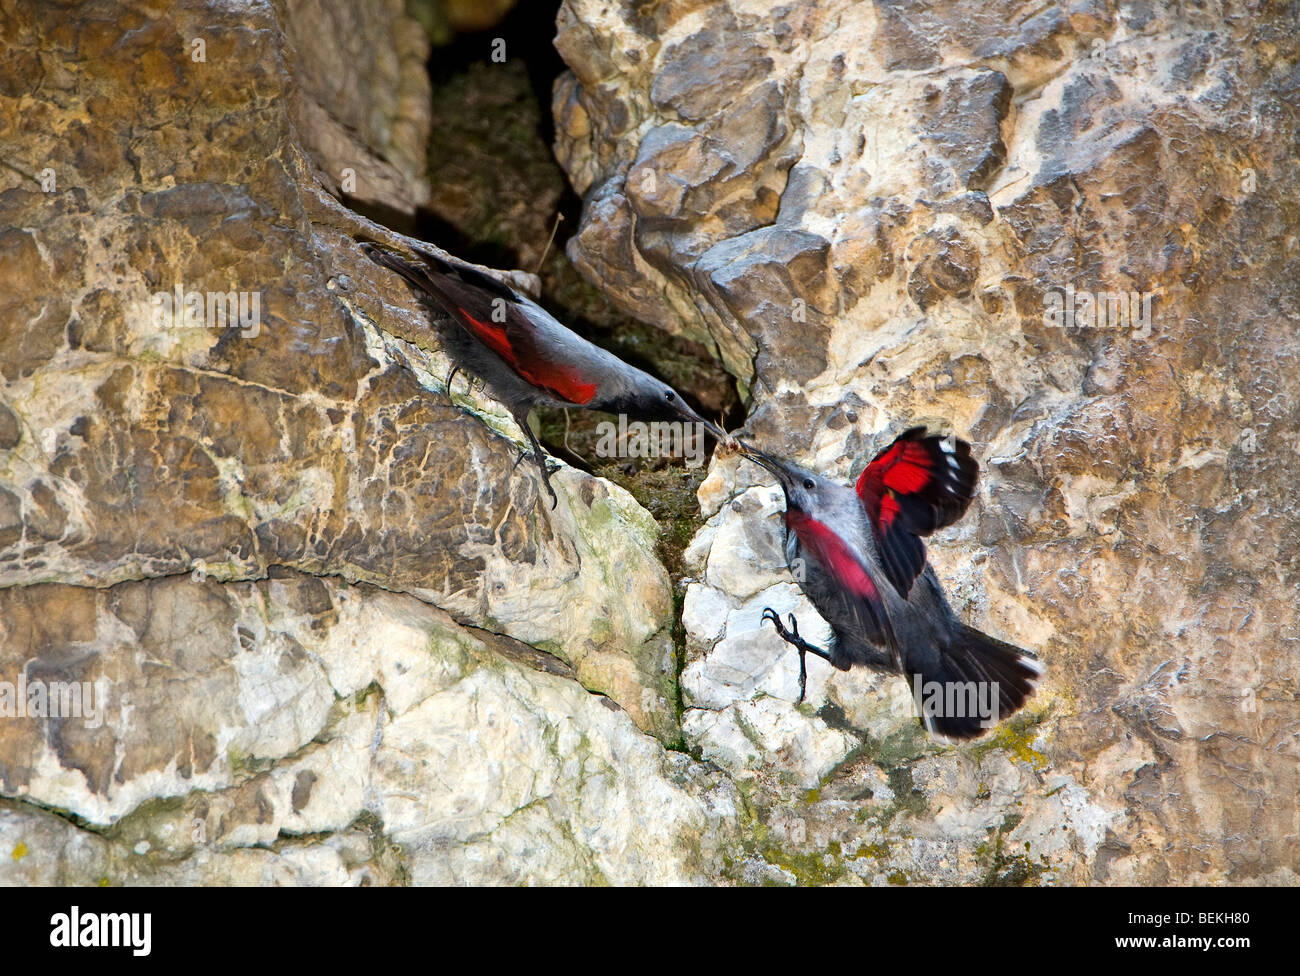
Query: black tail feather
957	700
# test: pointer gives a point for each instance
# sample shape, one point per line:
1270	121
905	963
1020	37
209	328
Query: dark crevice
496	190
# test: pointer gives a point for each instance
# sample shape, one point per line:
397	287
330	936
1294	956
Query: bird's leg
791	636
540	456
528	454
455	368
566	433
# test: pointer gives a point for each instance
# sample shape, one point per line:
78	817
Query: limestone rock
361	97
225	523
1072	238
322	631
149	446
307	707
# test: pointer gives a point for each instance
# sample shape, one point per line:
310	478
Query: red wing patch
526	361
916	485
830	550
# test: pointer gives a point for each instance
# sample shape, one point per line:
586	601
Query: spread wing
916	485
847	584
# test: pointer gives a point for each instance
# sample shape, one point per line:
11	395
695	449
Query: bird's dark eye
808	484
668	395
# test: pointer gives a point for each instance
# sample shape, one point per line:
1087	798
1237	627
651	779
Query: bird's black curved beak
691	417
784	476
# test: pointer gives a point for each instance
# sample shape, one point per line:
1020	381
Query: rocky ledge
323	631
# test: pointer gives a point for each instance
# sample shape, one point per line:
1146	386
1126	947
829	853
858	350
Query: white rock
514	776
752	735
752	660
747	552
704	613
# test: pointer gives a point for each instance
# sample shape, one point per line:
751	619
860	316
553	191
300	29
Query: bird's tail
978	681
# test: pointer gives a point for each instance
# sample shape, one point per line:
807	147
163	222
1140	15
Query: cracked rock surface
342	639
321	628
870	210
484	763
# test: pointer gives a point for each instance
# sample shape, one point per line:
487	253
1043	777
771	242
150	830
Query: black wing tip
956	445
434	261
476	279
376	250
383	254
922	432
965	469
423	268
961	475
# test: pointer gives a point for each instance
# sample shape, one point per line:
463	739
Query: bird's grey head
642	396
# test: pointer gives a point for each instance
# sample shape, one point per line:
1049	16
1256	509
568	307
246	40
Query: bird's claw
552	465
791	636
546	468
787	633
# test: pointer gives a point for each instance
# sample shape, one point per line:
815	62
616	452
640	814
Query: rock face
272	606
346	711
1071	235
363	98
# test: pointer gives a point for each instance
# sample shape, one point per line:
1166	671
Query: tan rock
956	199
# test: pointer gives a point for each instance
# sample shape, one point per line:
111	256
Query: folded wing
505	322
